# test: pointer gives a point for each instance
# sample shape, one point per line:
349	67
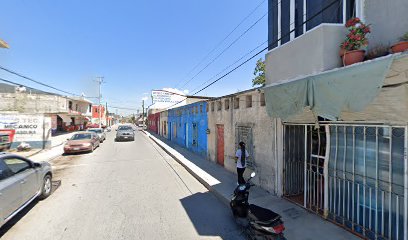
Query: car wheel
46	187
92	148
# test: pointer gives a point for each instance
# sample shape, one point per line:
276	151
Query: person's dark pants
240	172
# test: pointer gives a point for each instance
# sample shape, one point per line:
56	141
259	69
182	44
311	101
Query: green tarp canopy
327	94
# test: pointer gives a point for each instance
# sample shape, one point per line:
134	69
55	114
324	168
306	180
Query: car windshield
95	130
125	128
81	136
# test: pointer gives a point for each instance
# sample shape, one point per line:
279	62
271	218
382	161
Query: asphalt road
124	190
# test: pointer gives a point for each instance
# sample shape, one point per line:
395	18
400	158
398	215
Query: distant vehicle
21	181
82	142
125	132
108	129
5	142
100	132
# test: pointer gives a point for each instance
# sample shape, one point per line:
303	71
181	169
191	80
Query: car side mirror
67	139
36	165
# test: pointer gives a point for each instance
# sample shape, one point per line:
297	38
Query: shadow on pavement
210	217
24	211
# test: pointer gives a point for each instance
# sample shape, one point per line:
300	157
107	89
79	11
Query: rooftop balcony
313	52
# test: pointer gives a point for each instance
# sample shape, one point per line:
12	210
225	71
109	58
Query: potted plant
352	48
402	45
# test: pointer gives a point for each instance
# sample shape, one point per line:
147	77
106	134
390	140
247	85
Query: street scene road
278	119
123	190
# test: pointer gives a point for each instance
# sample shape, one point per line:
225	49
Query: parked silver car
125	132
99	131
21	181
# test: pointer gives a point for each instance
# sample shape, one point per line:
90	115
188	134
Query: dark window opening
262	99
285	21
249	101
236	103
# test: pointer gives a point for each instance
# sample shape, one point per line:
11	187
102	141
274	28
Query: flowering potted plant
402	45
352	47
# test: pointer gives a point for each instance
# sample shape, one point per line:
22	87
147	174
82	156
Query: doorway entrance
220	144
186	135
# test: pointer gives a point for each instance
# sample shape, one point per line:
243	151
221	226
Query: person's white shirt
238	154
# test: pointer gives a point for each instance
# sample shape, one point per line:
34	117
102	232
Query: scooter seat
262	214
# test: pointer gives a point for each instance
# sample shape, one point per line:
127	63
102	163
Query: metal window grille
355	175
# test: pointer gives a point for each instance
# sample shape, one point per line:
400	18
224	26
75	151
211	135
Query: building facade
33	116
187	126
341	132
99	115
242	117
164	124
153	122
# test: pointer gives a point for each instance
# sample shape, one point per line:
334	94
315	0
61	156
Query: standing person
240	158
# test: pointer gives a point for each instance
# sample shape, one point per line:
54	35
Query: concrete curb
210	187
33	154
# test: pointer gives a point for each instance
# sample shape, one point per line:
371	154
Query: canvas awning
329	93
65	118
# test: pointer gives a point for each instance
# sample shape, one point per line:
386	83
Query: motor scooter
259	223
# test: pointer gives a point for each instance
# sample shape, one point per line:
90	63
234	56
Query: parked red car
82	142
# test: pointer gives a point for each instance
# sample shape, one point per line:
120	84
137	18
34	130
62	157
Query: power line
38	82
232	64
222	41
266	48
19	84
229	46
123	108
273	43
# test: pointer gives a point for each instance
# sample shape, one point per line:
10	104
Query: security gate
294	164
243	133
354	175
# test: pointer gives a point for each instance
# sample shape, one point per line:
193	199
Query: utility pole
106	115
99	81
143	113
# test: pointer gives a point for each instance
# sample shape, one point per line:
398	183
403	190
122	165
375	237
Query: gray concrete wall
32	103
263	140
388	19
312	52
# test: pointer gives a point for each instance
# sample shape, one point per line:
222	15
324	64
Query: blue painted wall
188	126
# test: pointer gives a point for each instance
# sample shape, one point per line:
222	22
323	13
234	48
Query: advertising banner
27	127
159	96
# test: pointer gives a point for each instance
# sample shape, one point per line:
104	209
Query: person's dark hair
243	153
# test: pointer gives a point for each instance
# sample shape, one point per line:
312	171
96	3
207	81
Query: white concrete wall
263	138
388	19
32	103
164	122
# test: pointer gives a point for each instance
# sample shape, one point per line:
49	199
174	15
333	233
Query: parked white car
99	131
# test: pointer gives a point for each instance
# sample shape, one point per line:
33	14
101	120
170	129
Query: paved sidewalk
57	149
300	224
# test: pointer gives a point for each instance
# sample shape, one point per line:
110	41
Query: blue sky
136	45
